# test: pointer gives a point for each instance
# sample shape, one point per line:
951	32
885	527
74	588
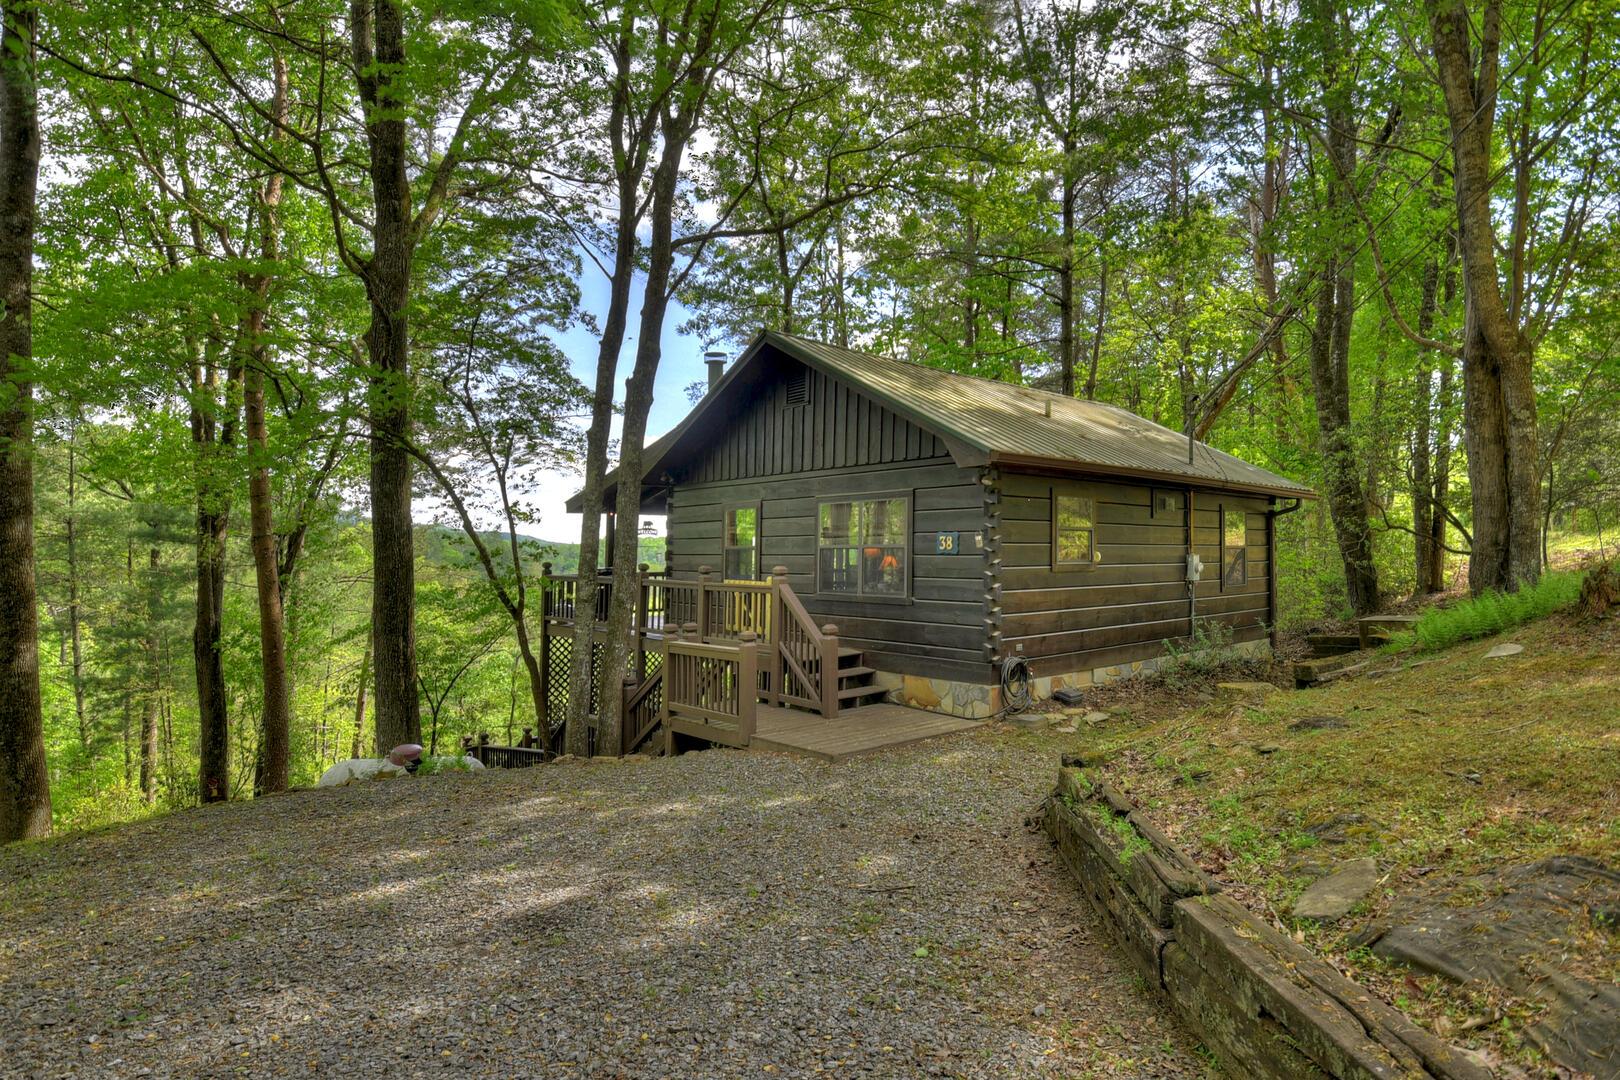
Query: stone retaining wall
1265	1005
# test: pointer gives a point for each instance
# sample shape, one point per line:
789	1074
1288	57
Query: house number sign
955	543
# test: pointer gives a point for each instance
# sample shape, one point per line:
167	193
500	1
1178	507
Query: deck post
669	682
747	684
704	629
778	618
639	629
829	670
545	650
627	688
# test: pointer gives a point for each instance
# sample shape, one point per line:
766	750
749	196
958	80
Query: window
741	561
1234	548
1074	531
862	547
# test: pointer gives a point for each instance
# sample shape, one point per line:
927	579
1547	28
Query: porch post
747	684
778	617
705	573
639	629
829	670
545	651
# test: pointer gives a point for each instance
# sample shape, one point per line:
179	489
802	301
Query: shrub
1491	613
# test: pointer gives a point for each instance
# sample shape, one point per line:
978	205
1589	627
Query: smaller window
1074	531
1234	548
742	544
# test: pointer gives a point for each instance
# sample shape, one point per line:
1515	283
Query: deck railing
503	757
706	651
710	689
722	610
804	657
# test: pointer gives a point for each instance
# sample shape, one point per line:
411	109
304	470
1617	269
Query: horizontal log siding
789	460
1135	598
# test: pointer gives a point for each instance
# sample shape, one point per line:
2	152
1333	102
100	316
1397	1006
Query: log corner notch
1266	1006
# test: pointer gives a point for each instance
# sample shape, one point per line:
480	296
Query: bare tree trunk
154	689
1422	452
633	157
276	721
1442	477
378	43
25	795
360	699
214	746
1330	348
75	631
1066	280
1499	394
637	403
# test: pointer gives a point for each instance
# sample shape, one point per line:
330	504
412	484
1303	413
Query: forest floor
1460	775
719	914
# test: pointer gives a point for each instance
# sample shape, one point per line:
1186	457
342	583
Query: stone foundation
975	702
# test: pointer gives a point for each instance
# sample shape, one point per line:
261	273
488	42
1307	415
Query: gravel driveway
720	914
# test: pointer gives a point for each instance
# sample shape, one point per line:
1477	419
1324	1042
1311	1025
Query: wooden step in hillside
1376	629
1340	644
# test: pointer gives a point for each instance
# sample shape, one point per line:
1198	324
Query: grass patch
1491	613
1439	769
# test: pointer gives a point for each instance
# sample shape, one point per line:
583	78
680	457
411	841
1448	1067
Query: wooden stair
855	686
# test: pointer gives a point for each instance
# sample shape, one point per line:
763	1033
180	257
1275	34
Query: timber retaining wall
1266	1006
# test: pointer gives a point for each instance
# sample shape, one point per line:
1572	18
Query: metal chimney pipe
717	367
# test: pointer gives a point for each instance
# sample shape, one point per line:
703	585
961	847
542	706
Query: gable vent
798	388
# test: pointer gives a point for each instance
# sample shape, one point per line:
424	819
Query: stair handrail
823	639
634	695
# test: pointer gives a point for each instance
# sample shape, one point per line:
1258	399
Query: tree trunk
1066	281
360	700
637	403
1442	477
276	721
1423	512
75	621
379	56
214	747
154	689
580	689
1330	355
1499	394
25	795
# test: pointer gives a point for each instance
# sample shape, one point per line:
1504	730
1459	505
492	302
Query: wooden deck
852	731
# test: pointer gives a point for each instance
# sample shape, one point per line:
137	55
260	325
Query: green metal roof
987	422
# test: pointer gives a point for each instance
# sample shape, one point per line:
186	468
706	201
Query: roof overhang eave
1068	466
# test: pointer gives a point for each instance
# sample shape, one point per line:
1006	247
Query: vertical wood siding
841	443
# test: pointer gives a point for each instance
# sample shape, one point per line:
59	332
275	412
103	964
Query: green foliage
1491	613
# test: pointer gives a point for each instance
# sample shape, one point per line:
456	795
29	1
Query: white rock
347	772
1504	650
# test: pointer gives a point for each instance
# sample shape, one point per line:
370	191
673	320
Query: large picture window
742	543
863	547
1074	530
1234	548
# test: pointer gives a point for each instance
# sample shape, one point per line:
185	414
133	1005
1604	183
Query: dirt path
721	914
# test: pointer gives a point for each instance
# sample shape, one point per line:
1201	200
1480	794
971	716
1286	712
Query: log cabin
944	523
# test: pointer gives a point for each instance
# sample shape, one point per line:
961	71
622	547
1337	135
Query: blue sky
682	364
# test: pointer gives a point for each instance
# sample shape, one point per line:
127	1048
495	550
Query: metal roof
984	422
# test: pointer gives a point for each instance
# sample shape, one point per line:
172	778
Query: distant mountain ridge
443	544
